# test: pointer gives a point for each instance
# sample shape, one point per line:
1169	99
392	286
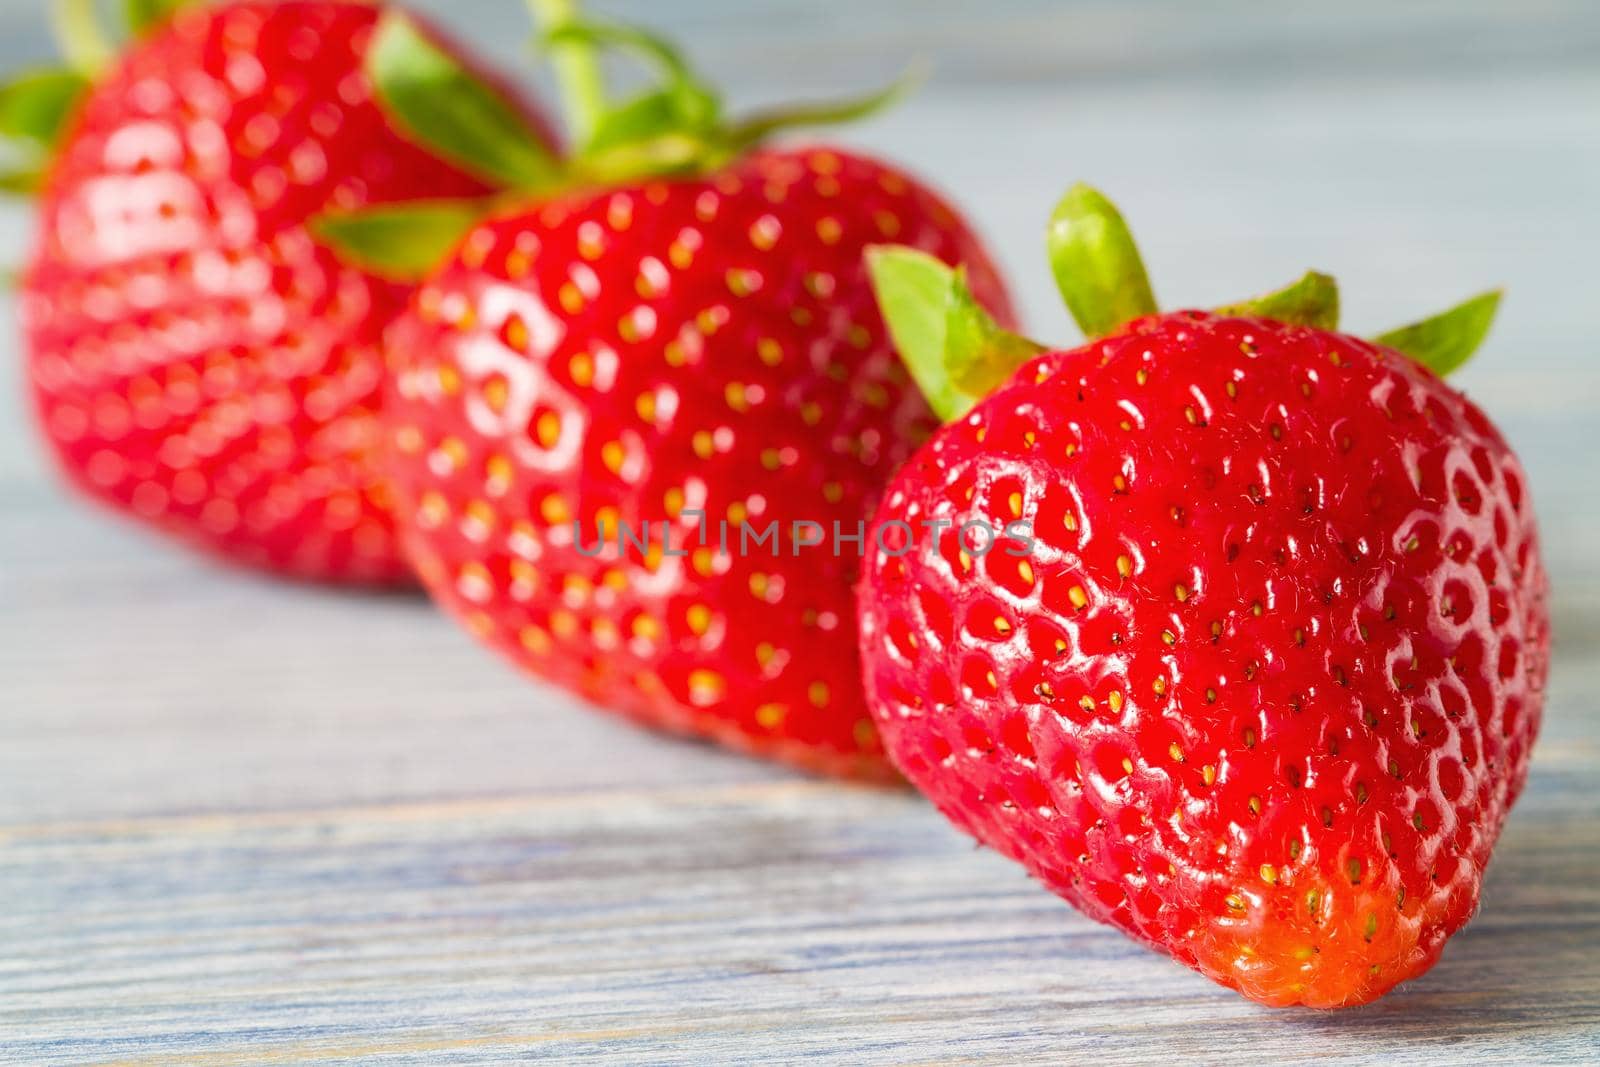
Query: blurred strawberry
197	359
686	338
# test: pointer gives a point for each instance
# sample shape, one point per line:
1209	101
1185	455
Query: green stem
577	66
81	38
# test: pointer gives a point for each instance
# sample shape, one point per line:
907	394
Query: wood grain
248	823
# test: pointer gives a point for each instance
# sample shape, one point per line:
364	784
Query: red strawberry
1258	680
197	359
646	352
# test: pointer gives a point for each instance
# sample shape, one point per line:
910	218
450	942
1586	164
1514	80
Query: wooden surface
250	823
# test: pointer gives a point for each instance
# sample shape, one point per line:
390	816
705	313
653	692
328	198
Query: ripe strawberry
1258	680
197	360
650	351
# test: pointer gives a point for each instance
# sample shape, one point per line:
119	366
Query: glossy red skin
1275	727
196	360
671	372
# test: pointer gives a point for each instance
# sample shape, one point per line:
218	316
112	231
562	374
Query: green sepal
1311	300
447	109
142	16
683	104
979	353
22	181
913	293
401	242
35	107
1446	340
953	348
646	117
1096	263
80	34
763	124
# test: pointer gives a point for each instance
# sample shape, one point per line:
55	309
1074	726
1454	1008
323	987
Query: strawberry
197	359
1255	675
686	339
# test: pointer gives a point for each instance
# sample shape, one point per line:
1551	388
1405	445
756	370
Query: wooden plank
246	823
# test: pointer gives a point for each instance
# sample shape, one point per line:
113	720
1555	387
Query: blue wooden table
248	823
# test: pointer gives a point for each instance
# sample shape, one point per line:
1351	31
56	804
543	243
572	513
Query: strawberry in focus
687	338
1261	685
197	359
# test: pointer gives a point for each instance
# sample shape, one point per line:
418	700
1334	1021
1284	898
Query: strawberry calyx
956	353
36	105
676	127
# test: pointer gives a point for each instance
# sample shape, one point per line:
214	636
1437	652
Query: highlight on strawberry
1265	688
197	360
671	331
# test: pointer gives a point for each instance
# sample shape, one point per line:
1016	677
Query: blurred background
1420	151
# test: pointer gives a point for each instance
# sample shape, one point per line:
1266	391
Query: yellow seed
1025	572
699	619
646	628
829	230
817	693
769	716
612	454
1125	566
1115	700
1181	592
516	334
1078	597
581	370
742	283
1269	874
645	405
553	509
570	298
706	686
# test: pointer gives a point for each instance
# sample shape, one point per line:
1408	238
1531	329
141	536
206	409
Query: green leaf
402	242
1447	340
23	182
35	107
979	353
1312	300
143	16
954	349
913	291
758	127
1096	263
80	35
444	107
681	106
644	118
